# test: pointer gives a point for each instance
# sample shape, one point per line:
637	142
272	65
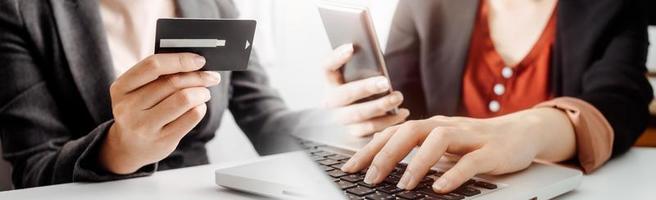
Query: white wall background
651	58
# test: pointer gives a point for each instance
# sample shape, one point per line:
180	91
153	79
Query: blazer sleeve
651	14
402	59
615	83
36	140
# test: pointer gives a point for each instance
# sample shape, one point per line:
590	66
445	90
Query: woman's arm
615	83
47	139
494	146
40	145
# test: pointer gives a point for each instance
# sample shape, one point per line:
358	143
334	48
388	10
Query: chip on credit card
226	44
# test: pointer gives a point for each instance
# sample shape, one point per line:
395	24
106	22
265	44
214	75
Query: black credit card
226	44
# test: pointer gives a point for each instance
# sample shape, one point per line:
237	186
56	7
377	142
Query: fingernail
348	49
440	184
382	85
405	179
215	76
397	97
372	175
207	97
200	60
347	166
405	112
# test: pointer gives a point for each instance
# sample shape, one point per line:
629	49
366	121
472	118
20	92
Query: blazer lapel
451	38
85	47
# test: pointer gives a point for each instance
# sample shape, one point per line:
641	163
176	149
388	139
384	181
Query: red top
490	87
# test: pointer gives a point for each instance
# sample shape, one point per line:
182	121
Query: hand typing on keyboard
355	188
492	146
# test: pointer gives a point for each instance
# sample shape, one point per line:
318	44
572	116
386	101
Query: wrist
113	158
555	135
547	132
522	127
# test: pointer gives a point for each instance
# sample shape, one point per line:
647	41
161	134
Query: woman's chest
516	26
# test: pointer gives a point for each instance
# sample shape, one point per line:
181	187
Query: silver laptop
313	173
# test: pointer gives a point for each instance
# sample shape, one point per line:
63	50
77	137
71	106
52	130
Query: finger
340	56
430	151
441	139
153	93
177	129
351	92
469	165
371	126
335	78
368	110
155	66
398	146
177	104
363	157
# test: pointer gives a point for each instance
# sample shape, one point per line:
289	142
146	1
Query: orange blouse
491	87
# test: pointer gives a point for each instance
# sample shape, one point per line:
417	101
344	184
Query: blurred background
292	44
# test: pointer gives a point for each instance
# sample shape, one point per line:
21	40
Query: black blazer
599	57
55	72
651	11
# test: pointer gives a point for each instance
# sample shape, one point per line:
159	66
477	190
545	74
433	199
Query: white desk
631	176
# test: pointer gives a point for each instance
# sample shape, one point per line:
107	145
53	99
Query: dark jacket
55	109
651	11
599	57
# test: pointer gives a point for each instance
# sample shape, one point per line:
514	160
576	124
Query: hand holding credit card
226	44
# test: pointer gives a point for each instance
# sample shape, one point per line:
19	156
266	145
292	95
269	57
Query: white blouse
130	28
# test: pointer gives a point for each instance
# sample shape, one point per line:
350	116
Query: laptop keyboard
330	160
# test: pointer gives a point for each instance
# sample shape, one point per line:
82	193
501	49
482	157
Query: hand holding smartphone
362	98
347	24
